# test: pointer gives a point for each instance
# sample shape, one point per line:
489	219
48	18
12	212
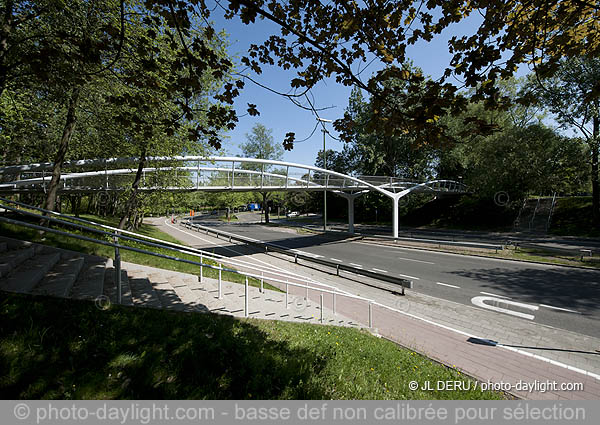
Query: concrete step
59	281
3	247
169	299
27	276
142	292
12	259
110	287
90	283
187	296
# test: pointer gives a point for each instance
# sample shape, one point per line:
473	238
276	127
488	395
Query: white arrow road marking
494	295
479	302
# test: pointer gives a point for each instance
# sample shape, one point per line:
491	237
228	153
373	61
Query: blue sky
280	115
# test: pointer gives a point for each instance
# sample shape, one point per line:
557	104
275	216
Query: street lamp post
324	167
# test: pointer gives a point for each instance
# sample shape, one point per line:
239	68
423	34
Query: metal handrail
189	250
118	246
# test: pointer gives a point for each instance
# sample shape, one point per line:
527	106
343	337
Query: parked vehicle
292	214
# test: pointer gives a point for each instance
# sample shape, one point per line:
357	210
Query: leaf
288	143
252	110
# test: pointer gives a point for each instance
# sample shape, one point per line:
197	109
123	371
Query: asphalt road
563	297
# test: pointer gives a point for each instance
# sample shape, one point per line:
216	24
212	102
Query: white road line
447	284
255	260
559	308
504	347
335	259
356	265
409	277
474	257
494	295
416	261
379	270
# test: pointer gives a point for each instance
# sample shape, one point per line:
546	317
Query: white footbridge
215	174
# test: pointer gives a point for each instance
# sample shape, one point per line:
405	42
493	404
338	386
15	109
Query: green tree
261	145
571	95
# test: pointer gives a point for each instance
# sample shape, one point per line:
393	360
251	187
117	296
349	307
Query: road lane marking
409	277
257	262
447	284
559	308
356	265
417	261
335	259
494	295
479	302
379	270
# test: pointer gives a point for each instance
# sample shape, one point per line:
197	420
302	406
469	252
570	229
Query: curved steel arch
389	188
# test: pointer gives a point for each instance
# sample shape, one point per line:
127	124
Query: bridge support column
350	214
395	216
350	197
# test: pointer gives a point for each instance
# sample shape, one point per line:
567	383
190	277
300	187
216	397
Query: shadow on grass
61	349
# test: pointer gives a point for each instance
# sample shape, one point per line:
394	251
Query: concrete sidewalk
530	353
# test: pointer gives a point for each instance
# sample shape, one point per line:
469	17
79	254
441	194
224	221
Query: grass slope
65	349
64	242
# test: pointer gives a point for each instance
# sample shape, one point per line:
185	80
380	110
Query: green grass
573	217
60	241
232	217
65	349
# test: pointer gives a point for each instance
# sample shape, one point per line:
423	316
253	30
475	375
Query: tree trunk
265	196
6	27
131	202
62	150
595	192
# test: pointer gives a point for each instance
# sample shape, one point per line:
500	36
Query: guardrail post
286	293
220	287
246	298
118	272
296	258
370	315
201	267
334	303
337	269
321	307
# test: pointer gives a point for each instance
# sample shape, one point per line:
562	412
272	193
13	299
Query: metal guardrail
577	252
181	248
403	283
116	235
439	242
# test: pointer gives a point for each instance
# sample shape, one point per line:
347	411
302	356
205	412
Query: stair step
168	297
142	292
12	259
110	287
90	283
3	247
59	281
187	296
28	275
